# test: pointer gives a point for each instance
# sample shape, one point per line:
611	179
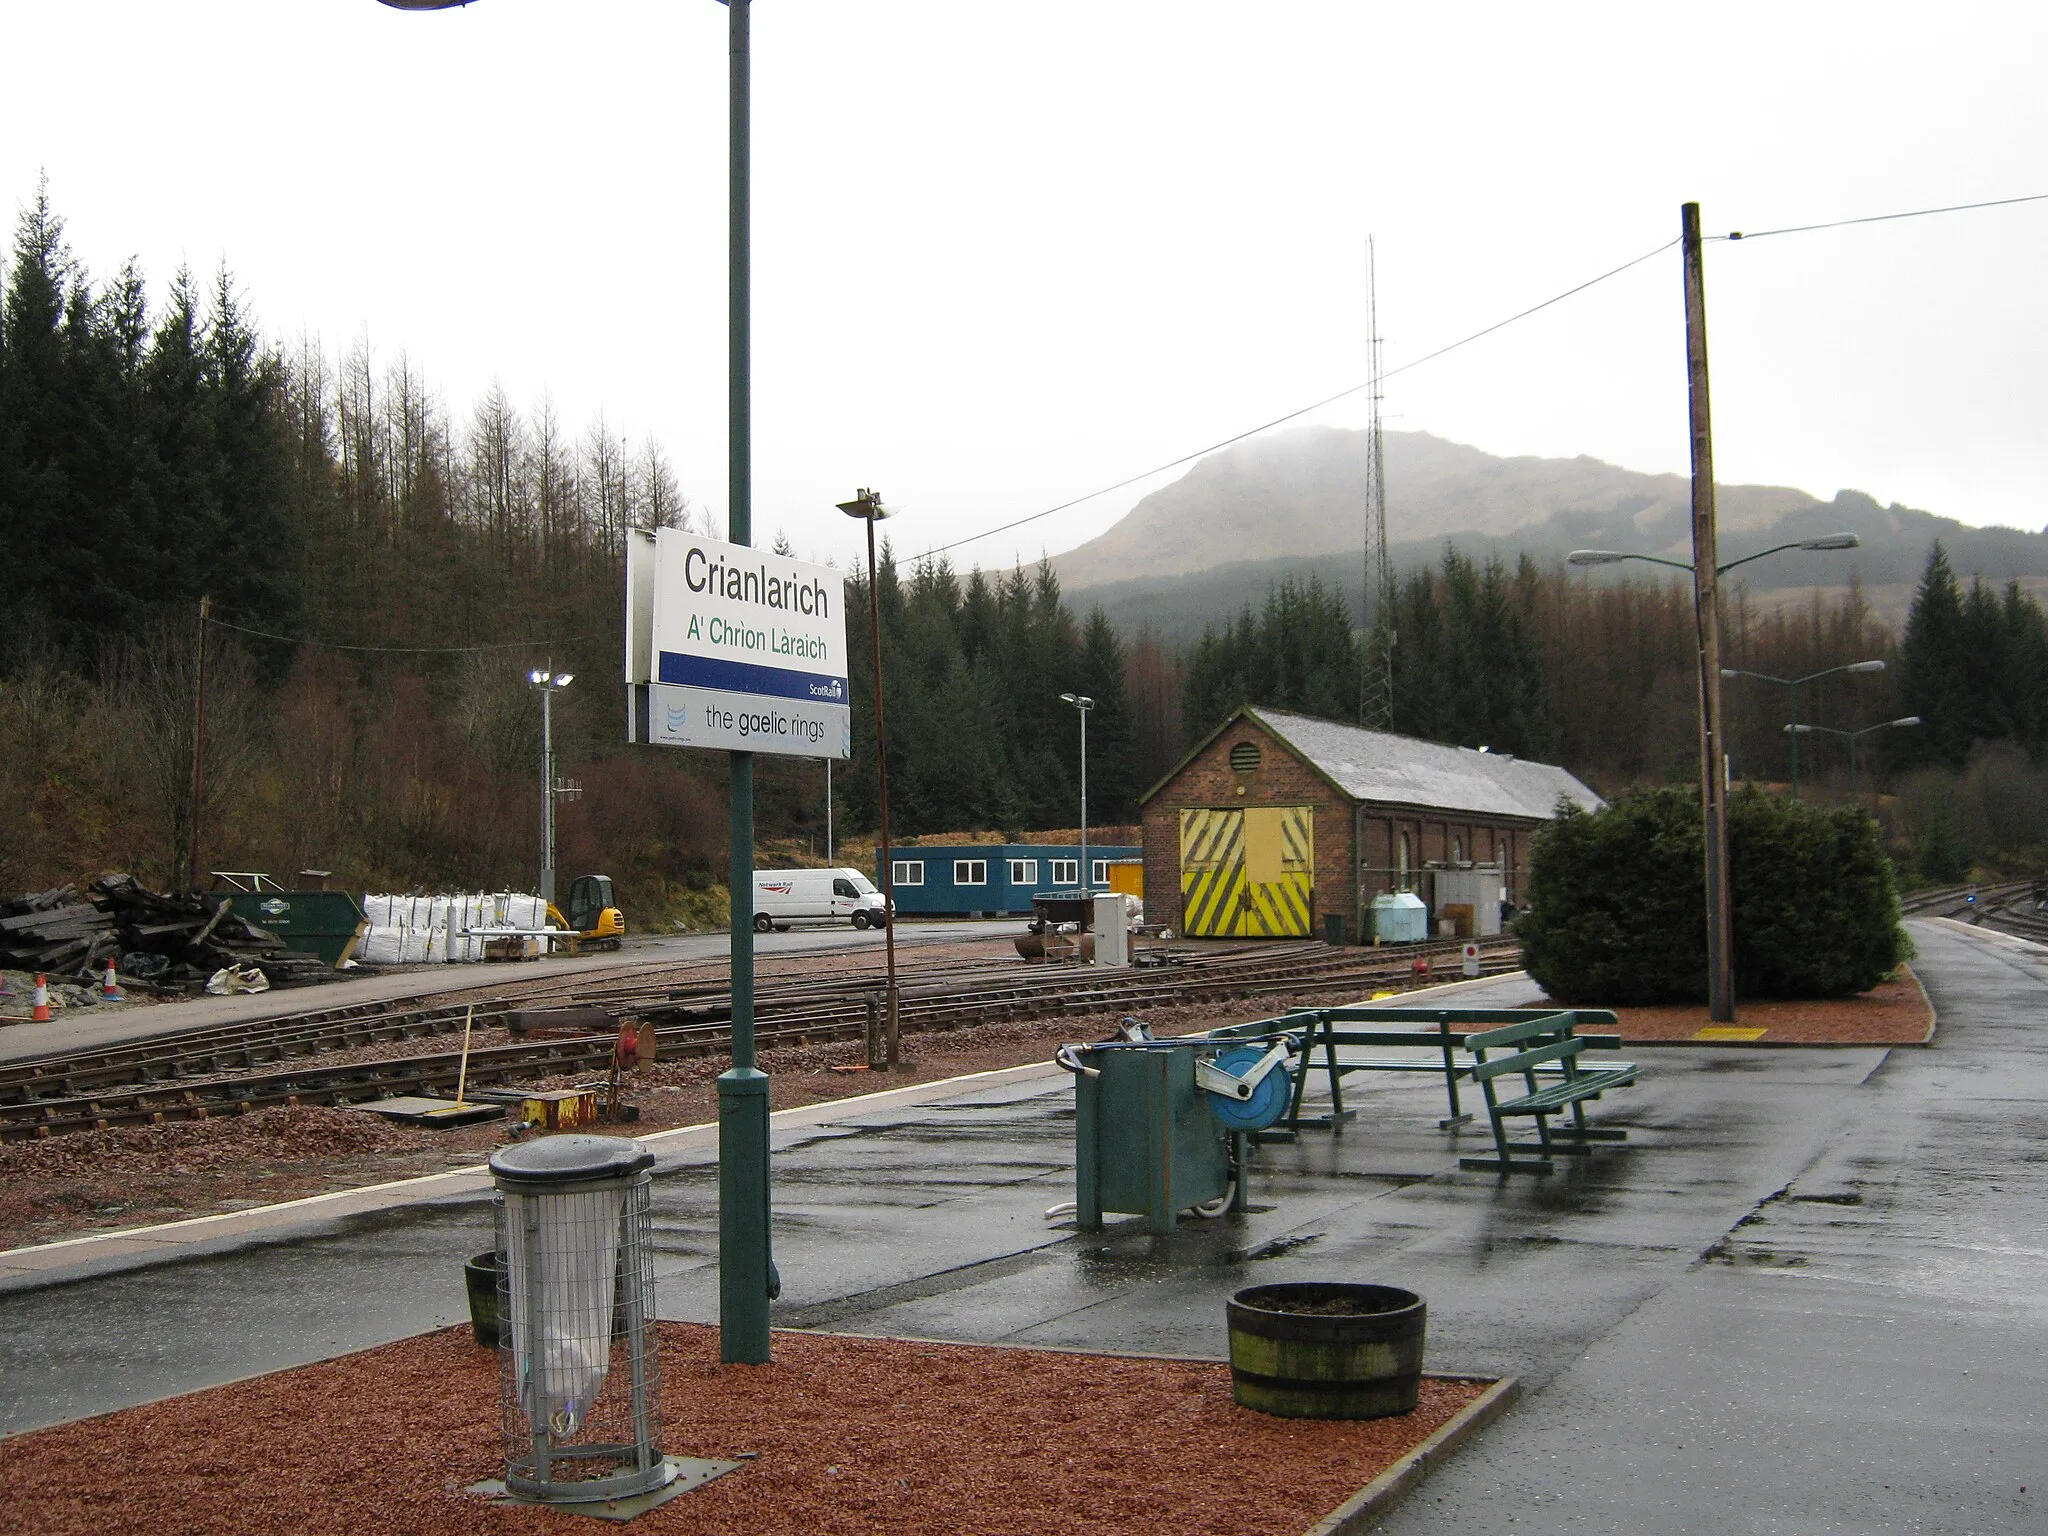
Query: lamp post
547	682
747	1281
1855	740
1706	573
1082	704
1792	686
867	506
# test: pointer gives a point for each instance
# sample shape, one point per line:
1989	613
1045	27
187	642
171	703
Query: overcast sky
1009	253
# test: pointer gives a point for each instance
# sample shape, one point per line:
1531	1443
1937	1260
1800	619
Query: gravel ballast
840	1435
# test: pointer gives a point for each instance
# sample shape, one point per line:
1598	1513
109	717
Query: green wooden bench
1440	1048
1548	1047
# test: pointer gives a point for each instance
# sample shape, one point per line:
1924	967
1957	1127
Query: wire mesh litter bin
578	1371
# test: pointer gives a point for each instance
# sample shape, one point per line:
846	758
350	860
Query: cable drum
1268	1101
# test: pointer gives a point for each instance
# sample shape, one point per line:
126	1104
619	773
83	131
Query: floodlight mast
867	506
1792	685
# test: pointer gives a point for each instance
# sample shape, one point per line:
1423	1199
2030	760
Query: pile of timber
188	937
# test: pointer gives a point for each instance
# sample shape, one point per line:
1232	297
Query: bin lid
569	1160
1388	901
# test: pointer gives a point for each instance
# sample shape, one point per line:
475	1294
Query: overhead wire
1266	426
1879	218
1427	357
400	650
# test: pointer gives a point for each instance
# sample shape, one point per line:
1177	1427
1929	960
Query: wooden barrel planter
1326	1350
480	1278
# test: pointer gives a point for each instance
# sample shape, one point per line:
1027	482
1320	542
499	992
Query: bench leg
1505	1162
1458	1116
1338	1113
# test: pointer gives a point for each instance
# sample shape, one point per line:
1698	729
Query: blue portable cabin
993	879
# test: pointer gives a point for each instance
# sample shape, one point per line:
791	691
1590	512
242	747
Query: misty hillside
1186	556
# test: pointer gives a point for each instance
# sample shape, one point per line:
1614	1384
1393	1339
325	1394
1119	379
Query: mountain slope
1244	519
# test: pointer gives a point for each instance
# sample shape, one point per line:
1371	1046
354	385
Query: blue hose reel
1260	1105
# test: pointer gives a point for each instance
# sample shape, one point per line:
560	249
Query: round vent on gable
1244	757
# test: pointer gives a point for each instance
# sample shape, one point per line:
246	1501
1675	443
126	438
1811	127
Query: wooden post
1706	617
198	754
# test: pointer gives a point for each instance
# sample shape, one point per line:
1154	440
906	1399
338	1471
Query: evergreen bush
1617	905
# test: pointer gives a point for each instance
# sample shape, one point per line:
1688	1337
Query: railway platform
1808	1295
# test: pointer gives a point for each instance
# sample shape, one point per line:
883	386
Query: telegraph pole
1706	617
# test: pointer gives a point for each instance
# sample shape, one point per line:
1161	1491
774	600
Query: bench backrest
1530	1027
1555	1049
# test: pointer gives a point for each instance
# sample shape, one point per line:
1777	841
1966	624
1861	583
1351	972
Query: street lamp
1706	574
1855	740
1082	704
1612	556
747	1280
1792	686
548	683
867	506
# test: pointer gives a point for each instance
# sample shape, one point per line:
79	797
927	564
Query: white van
786	896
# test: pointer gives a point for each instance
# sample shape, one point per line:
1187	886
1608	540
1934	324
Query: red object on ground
839	1436
110	988
42	1009
1421	965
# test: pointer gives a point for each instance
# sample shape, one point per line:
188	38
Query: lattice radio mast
1376	680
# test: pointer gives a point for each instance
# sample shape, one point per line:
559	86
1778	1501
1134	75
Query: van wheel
860	919
762	923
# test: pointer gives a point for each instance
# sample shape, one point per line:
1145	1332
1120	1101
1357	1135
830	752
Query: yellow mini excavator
594	915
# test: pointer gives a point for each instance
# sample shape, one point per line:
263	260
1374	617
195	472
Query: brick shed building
1277	820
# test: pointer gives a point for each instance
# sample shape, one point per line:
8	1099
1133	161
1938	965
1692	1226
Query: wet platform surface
1810	1294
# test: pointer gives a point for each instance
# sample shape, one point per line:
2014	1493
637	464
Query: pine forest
380	572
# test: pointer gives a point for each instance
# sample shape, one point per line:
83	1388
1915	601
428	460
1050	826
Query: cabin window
1023	871
970	871
1100	875
907	872
1066	872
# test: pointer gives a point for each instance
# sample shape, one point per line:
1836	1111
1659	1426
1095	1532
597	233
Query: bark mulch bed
1892	1013
851	1435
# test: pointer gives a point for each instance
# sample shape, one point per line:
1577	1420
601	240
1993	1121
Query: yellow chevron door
1279	871
1212	874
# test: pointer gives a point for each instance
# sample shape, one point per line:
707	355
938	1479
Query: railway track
2015	907
231	1070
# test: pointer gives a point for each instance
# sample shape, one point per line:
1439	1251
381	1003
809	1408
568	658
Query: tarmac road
85	1028
1810	1294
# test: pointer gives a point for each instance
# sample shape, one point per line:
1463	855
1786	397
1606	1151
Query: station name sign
731	648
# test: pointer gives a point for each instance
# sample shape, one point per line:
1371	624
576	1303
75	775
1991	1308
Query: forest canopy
381	571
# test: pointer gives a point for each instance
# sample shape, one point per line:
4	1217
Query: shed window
1244	757
1406	854
907	872
970	871
1023	871
1066	872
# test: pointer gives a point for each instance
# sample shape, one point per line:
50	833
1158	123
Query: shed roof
1404	770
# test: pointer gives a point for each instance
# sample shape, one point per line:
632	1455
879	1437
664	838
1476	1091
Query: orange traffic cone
42	1013
110	989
